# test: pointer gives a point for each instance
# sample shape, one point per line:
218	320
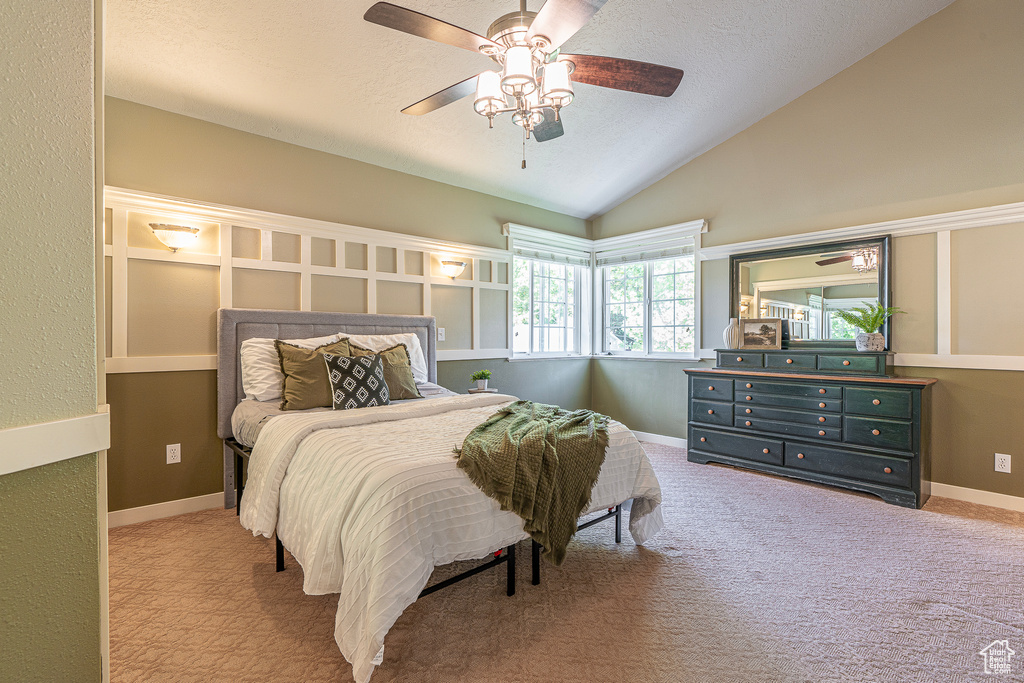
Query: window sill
605	356
532	357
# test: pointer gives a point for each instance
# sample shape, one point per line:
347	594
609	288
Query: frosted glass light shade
557	85
489	97
517	77
453	269
175	237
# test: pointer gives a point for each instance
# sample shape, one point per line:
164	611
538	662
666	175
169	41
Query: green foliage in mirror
870	318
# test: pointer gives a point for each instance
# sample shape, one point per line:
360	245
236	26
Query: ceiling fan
864	260
535	79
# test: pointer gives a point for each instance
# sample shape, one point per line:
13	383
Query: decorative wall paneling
286	246
942	225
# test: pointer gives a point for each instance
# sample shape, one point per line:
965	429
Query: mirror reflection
807	289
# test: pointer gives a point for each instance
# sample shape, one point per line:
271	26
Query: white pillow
262	378
379	342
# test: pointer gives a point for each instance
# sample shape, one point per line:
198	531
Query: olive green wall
563	382
49	536
928	123
148	411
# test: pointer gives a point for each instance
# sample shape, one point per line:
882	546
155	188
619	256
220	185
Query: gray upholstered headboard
235	325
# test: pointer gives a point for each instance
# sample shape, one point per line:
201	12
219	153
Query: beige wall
926	124
49	563
929	123
155	151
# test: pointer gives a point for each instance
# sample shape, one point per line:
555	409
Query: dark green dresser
831	417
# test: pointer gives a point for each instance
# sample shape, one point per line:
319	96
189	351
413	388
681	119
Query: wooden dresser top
906	381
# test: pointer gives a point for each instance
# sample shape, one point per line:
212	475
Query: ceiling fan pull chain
524	148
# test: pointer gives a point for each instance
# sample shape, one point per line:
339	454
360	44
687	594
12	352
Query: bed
369	501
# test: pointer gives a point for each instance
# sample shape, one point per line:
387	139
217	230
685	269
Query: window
649	307
545	307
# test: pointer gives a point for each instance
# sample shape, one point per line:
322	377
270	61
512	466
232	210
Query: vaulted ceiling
315	74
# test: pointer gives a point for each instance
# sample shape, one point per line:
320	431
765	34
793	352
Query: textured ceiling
315	74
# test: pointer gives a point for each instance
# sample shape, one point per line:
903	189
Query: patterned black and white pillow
357	382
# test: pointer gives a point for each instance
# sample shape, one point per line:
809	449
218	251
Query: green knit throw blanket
540	462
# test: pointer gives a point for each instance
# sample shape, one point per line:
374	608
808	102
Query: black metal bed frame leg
280	554
238	484
618	523
510	575
536	562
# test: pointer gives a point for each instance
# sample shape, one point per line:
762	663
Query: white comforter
373	501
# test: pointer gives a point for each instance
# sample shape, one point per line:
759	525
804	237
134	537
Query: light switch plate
440	334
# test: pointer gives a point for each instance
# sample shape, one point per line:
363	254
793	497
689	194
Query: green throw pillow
305	374
397	370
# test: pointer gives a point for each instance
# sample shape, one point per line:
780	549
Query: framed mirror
806	285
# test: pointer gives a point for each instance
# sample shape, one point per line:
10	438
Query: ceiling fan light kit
536	80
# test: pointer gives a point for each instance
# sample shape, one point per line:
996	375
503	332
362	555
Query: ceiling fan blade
408	21
558	20
838	259
625	74
549	128
439	99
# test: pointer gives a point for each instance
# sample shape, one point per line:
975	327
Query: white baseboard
996	500
168	509
663	440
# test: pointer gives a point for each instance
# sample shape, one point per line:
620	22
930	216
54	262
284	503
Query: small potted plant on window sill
868	320
481	377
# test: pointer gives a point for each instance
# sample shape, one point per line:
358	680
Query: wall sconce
174	237
744	307
453	269
800	314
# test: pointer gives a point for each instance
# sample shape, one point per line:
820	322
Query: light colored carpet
754	578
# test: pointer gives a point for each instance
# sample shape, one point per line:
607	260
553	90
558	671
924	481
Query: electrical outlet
1002	462
173	453
440	334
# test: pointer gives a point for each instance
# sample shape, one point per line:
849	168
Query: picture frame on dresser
761	333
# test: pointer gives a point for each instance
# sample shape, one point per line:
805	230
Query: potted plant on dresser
868	320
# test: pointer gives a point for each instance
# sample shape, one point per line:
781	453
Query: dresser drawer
757	448
884	402
741	359
825	404
712	412
790	362
879	432
752	385
805	431
849	363
822	418
711	388
875	468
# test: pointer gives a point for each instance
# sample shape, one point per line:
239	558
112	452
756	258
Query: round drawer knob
749	398
711	412
748	423
821	419
821	433
789	361
888	470
739	359
749	410
876	401
703	438
749	385
821	391
875	432
765	450
800	455
846	362
821	405
711	388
